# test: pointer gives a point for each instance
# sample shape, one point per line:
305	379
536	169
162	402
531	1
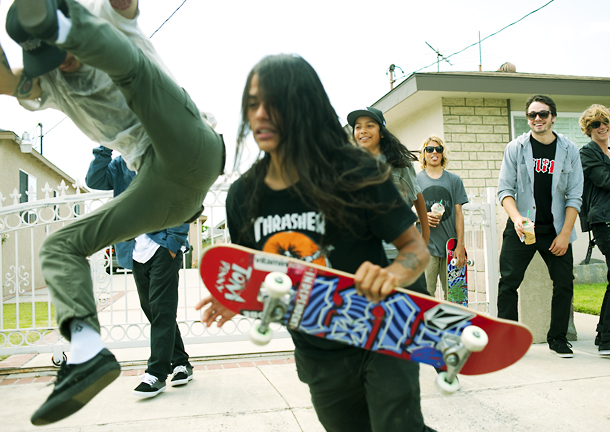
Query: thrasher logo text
310	221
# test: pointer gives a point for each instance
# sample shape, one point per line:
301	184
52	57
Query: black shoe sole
37	17
148	394
181	381
73	399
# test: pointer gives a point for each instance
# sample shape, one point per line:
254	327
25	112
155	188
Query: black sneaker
76	385
604	348
182	375
561	348
150	386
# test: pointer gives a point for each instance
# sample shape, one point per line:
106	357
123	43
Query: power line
487	37
164	22
170	17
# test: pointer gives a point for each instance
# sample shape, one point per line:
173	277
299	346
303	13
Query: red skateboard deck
457	277
324	303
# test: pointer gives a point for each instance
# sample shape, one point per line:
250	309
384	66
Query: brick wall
476	133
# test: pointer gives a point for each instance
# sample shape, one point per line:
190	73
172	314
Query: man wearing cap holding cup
541	180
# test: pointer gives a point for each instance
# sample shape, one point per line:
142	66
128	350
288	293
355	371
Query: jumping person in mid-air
163	135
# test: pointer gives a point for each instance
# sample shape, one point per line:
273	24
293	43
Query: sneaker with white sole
150	386
181	375
76	385
604	348
561	348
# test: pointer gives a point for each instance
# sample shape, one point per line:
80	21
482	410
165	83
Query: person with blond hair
439	186
595	210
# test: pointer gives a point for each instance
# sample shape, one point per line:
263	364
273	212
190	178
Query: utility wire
170	17
164	22
487	37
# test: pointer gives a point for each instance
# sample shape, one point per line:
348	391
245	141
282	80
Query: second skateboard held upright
457	277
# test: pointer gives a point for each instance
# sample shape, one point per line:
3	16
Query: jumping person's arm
126	8
16	83
99	175
376	283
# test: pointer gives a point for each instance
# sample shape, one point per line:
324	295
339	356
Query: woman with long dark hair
315	196
371	133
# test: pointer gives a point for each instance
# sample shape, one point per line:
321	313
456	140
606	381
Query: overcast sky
210	46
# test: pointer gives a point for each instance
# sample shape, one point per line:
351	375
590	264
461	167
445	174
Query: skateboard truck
275	296
456	350
468	262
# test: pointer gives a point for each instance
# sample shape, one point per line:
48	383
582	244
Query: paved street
237	389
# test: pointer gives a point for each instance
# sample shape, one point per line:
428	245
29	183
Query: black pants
157	282
364	392
601	232
514	259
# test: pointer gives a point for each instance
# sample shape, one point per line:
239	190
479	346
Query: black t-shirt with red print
544	163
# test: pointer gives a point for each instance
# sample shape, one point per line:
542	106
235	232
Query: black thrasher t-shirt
544	164
288	226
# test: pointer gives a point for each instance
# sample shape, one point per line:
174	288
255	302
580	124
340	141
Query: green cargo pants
184	160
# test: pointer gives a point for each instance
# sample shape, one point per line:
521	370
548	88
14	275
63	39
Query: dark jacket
106	173
596	192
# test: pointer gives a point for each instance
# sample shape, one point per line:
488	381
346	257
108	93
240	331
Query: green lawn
588	298
9	315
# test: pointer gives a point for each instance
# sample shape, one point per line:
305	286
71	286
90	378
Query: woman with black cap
371	133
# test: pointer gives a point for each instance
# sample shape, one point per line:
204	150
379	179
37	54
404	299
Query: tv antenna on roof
391	71
439	57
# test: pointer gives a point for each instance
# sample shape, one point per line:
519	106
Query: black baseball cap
371	112
38	56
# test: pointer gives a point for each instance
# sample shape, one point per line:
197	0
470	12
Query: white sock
85	342
64	24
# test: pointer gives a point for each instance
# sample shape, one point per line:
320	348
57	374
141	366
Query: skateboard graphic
323	302
457	277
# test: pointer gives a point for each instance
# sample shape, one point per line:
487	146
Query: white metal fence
26	313
481	239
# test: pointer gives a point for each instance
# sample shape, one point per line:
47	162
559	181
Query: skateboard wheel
258	338
474	338
446	387
454	262
277	284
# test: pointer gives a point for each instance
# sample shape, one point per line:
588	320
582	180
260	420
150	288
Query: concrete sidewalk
233	391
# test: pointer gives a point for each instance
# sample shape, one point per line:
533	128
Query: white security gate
481	239
26	313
